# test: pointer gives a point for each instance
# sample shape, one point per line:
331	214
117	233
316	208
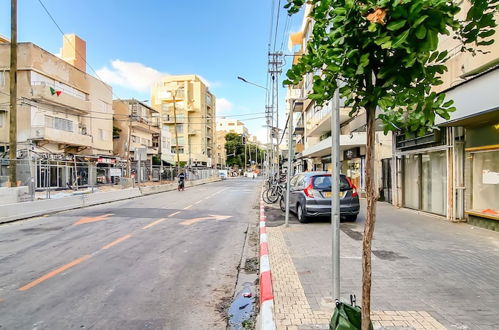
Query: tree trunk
370	219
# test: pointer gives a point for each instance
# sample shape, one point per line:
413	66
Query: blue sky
130	42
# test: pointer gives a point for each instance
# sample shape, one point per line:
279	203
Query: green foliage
383	54
234	148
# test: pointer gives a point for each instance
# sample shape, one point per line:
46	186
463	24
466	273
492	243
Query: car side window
301	181
294	180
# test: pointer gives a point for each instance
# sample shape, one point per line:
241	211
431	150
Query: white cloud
132	75
223	105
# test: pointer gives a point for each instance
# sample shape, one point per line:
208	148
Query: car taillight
309	190
352	186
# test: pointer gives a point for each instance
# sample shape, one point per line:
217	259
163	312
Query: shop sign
490	177
351	153
106	160
114	171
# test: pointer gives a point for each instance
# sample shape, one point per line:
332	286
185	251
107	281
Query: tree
234	148
382	54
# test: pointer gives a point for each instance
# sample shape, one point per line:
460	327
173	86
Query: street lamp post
335	194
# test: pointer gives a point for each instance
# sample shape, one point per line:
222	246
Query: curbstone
266	294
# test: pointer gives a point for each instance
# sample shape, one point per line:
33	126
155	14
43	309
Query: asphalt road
163	261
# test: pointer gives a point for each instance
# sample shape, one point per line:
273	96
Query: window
2	78
104	107
2	118
135	139
101	134
483	182
59	123
180	128
180	150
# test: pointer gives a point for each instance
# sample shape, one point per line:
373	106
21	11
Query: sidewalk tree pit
384	55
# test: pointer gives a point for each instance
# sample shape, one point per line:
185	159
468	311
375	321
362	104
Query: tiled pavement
427	273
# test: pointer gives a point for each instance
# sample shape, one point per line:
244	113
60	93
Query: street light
270	133
249	82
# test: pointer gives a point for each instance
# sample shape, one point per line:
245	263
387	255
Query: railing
50	178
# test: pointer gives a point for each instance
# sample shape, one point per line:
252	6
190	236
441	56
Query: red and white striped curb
266	295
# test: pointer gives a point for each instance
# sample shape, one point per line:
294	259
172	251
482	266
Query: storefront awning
323	148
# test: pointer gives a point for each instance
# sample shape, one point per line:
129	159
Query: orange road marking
117	241
93	219
153	223
174	214
187	207
54	272
211	217
198	202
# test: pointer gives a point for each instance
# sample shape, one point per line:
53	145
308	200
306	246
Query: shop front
482	175
353	166
423	171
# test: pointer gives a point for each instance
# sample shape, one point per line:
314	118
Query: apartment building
63	113
188	109
232	126
454	171
135	125
312	129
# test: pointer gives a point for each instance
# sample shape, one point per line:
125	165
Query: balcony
41	92
193	131
170	119
152	151
143	125
41	133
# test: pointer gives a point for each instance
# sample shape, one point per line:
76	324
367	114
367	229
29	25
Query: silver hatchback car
310	196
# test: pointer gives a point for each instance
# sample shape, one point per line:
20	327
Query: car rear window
324	182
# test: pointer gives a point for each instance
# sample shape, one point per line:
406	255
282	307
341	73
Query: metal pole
176	134
13	96
335	194
290	166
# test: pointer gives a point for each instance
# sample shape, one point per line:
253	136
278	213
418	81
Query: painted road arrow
93	219
211	217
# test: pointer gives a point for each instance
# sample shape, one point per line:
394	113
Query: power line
277	22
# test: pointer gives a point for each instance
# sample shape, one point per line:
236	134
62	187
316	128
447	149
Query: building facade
135	125
63	114
232	126
453	171
188	109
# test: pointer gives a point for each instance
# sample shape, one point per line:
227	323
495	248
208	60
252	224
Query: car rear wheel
300	213
351	217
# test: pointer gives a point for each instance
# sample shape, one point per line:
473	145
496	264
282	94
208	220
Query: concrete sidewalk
23	210
427	273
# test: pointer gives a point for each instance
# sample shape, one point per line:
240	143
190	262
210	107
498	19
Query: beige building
135	125
232	126
63	113
195	117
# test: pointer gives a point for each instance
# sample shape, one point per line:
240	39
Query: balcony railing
42	93
59	136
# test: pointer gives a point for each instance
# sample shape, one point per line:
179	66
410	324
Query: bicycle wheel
264	197
273	195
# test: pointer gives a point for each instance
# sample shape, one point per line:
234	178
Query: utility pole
176	133
290	164
13	95
275	63
335	193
